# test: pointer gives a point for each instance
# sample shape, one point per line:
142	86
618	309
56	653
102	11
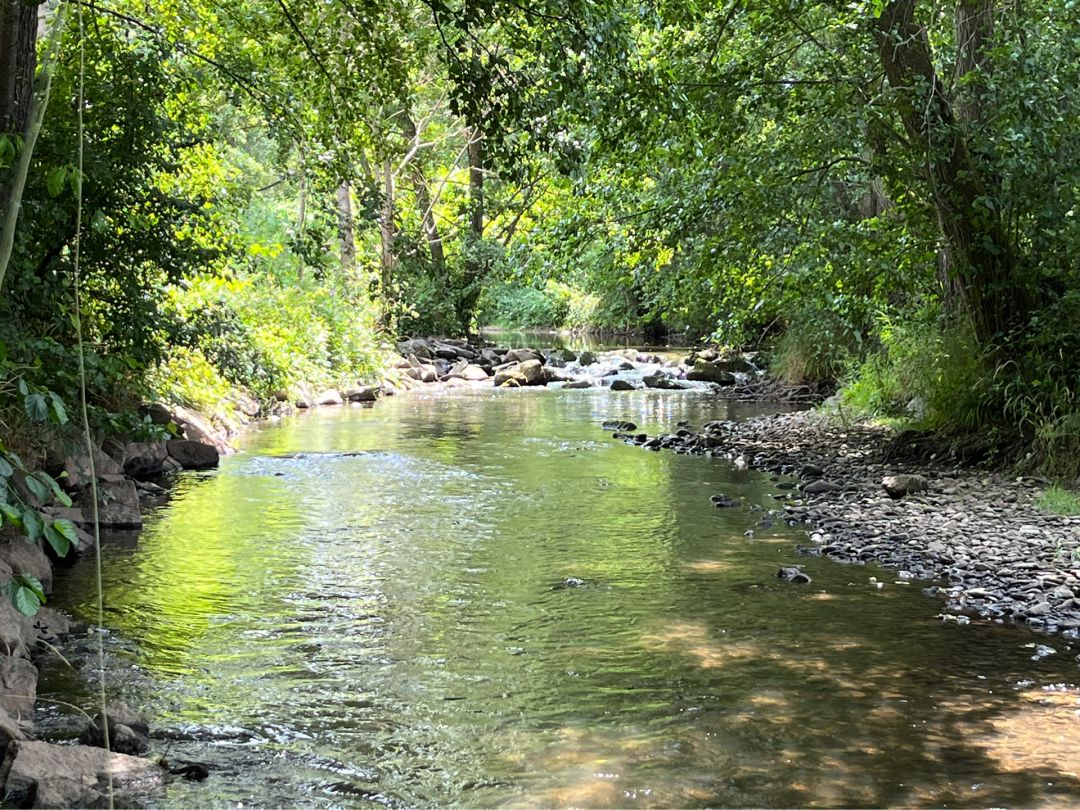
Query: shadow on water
483	600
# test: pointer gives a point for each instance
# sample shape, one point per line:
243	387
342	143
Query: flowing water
481	599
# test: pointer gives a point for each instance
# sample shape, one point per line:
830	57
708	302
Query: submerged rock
722	501
793	573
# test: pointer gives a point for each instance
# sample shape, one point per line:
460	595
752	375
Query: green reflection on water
369	606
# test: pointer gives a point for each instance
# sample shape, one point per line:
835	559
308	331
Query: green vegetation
1059	501
875	192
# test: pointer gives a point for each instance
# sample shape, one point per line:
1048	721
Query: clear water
369	607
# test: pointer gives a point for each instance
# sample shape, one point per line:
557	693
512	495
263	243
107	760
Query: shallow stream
481	599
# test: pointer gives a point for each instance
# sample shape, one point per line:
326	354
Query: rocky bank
979	533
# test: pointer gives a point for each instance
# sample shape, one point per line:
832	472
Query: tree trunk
475	264
346	229
386	231
980	258
974	25
18	61
424	204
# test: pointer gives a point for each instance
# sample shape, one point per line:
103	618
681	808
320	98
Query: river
481	599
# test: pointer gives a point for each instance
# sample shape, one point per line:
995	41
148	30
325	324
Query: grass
1059	501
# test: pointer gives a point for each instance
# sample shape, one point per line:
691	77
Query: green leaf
12	513
59	542
33	525
26	594
38	488
30	581
5	467
59	411
67	529
62	497
54	181
36	408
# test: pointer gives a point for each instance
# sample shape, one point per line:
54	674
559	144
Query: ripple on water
371	607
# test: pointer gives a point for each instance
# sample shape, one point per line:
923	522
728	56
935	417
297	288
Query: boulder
622	385
144	459
530	372
577	384
553	376
159	413
246	404
47	775
737	363
473	373
418	347
18	556
523	355
129	732
662	382
900	485
365	393
586	358
706	371
423	372
77	467
330	396
18	689
566	355
193	455
118	503
198	428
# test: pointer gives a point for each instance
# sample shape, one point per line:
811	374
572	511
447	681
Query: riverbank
997	555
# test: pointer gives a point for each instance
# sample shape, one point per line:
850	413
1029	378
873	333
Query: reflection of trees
398	606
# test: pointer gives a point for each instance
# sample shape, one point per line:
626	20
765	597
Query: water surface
381	607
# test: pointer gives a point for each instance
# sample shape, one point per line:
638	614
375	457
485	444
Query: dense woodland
879	193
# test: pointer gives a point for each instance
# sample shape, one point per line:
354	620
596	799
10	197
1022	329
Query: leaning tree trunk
424	204
346	230
387	232
475	264
980	257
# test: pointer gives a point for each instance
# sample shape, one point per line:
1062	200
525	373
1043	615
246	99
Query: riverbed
478	598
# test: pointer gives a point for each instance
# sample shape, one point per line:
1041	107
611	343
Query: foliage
1059	501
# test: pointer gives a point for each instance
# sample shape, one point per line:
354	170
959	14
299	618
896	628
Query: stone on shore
900	485
193	455
129	732
144	459
820	486
47	775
